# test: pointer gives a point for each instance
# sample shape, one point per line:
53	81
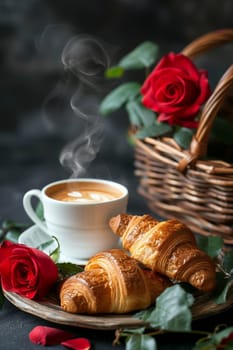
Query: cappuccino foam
83	192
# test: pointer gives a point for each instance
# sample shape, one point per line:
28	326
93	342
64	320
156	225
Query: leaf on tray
223	286
13	235
68	269
141	342
215	341
11	230
172	311
227	262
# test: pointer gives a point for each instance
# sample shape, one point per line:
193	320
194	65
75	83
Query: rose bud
77	344
48	335
26	271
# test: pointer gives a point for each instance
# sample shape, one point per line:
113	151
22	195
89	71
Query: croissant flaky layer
112	282
168	247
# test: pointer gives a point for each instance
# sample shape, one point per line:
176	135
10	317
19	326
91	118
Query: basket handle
208	41
198	146
199	143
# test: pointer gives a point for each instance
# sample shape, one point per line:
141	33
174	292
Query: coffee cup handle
27	204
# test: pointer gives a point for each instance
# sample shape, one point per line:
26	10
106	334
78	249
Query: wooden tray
51	311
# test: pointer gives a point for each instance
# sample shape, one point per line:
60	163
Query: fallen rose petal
48	335
77	344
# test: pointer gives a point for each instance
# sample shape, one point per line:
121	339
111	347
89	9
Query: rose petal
77	344
48	335
179	61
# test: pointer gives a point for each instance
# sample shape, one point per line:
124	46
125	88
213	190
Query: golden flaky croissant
168	247
112	282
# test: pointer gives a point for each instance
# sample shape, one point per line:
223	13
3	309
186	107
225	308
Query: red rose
26	271
176	89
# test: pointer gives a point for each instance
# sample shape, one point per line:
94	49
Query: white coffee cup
77	212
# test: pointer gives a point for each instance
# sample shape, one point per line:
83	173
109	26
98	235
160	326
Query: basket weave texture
181	183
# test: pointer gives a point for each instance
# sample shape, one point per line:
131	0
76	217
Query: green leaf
139	115
172	311
205	343
154	130
223	286
45	245
130	139
212	245
144	314
134	330
219	336
13	235
144	55
40	211
2	235
11	230
9	224
55	254
183	137
114	72
118	97
141	342
228	261
68	269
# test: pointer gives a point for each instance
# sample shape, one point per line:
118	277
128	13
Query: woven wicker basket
181	183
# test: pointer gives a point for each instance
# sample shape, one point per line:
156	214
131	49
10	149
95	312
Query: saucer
34	237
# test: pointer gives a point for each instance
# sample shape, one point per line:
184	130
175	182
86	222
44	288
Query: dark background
43	139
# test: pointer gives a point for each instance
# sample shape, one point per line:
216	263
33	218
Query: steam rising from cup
86	58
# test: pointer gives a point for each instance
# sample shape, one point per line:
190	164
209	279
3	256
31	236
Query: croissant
168	247
112	282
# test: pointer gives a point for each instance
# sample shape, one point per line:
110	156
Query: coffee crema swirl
83	193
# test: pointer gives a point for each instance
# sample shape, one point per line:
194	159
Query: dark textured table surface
15	326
